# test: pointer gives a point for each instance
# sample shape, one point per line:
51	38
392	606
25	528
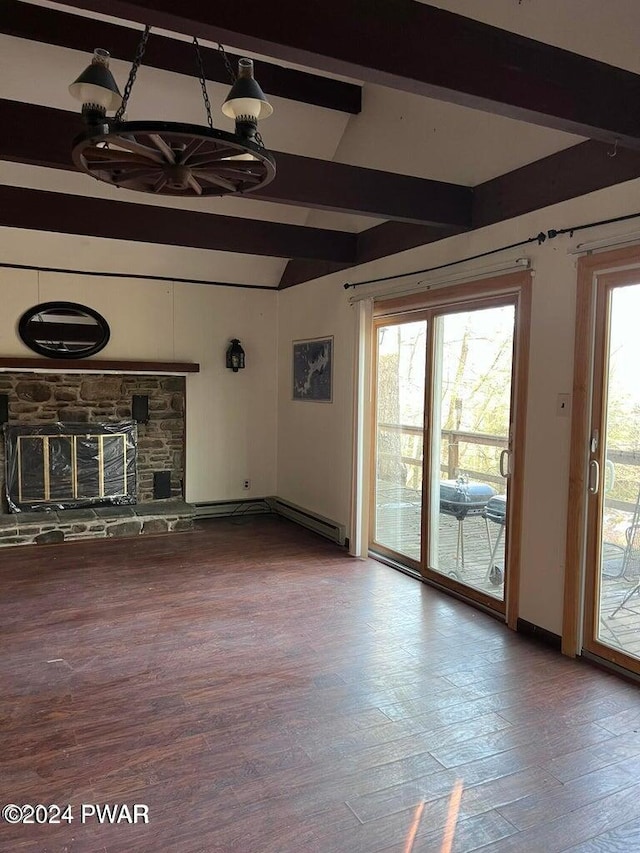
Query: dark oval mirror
63	330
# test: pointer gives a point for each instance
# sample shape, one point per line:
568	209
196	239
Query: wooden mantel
95	365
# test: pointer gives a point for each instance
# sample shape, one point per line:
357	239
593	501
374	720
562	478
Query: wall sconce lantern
235	356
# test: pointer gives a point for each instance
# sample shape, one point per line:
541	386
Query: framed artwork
313	370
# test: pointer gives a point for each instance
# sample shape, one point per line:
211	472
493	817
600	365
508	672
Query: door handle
594	481
506	454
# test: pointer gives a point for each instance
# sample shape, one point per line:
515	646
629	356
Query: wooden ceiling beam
567	174
42	136
299	271
417	48
388	238
51	26
37	135
120	220
327	185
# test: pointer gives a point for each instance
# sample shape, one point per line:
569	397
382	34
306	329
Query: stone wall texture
39	398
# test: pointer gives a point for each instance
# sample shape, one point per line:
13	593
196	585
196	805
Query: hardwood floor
262	691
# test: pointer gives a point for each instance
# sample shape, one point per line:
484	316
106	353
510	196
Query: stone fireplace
78	427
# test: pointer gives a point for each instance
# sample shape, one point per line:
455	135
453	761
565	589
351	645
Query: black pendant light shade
96	88
246	102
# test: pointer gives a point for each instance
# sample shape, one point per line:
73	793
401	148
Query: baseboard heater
258	506
223	509
312	521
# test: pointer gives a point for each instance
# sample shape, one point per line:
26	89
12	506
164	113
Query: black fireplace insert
70	465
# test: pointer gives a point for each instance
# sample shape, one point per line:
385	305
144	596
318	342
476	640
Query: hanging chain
132	74
201	76
227	64
203	82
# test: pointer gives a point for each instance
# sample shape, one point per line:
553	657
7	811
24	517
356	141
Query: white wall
231	418
314	440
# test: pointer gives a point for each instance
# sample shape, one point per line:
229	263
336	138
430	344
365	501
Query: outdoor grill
462	499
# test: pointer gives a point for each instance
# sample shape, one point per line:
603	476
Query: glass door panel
399	429
616	616
471	416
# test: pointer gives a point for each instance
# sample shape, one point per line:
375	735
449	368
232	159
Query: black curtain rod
570	231
136	275
540	238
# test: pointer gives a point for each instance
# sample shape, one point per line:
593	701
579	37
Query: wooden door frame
617	263
513	287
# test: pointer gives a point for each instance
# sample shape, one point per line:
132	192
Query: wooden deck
621	631
399	516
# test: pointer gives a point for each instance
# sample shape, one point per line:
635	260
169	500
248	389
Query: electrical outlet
246	484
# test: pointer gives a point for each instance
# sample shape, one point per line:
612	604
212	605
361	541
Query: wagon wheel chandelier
172	158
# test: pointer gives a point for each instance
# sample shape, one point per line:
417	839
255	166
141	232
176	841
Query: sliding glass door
472	363
613	547
399	437
444	441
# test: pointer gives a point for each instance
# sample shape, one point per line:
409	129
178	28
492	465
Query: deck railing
617	461
454	439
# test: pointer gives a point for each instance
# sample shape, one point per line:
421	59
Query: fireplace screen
65	465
